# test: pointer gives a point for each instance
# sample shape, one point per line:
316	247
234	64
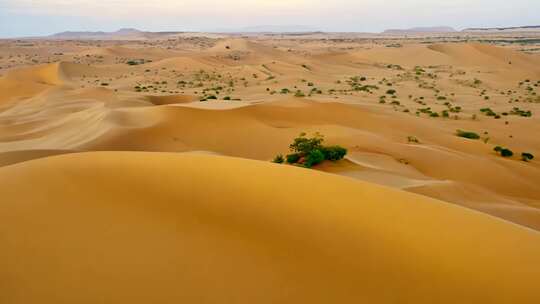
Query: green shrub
413	139
313	158
467	134
527	156
304	145
279	159
309	151
334	153
293	158
504	152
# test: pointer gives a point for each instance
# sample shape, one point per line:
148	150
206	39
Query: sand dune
27	82
413	214
147	227
70	110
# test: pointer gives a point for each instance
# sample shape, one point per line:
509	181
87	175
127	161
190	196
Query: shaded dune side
159	228
28	81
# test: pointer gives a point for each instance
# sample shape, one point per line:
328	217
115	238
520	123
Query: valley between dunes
140	172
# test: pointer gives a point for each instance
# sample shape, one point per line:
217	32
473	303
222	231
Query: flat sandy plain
138	170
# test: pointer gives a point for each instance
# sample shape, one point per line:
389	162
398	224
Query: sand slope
168	228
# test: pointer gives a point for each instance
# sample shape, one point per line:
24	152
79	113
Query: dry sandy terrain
184	205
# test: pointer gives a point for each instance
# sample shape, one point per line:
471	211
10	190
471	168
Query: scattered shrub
310	151
279	159
467	134
304	145
334	153
504	152
313	158
293	158
299	94
413	139
527	156
519	112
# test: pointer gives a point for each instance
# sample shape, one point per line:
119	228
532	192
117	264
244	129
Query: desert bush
313	158
522	113
279	159
413	139
293	158
304	145
467	134
309	151
504	152
527	156
334	153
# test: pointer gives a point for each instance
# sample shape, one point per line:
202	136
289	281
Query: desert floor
140	171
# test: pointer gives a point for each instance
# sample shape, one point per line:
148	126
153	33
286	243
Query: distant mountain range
515	28
97	35
131	33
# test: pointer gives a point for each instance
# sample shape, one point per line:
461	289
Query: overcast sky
42	17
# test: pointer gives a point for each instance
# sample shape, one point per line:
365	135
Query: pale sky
42	17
